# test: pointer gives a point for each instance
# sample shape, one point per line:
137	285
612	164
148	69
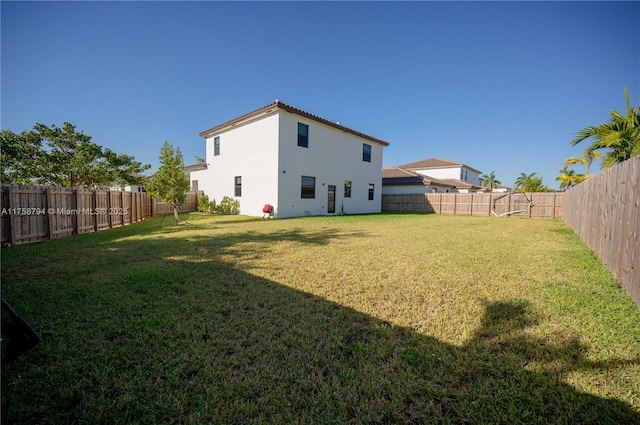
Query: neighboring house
195	167
431	175
500	188
297	162
398	180
129	187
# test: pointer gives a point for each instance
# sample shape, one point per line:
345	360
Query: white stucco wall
452	173
266	154
405	189
250	151
332	157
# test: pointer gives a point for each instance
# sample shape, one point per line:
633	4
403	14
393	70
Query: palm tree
490	181
620	136
569	178
586	160
522	180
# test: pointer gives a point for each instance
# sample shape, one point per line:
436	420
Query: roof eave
283	106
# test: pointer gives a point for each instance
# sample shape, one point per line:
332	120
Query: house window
194	184
303	135
347	189
366	152
371	191
216	146
308	187
238	185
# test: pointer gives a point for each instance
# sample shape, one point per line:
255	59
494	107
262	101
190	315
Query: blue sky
500	86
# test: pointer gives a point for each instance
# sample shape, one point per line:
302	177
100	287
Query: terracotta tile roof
435	163
283	106
196	167
397	175
460	184
401	176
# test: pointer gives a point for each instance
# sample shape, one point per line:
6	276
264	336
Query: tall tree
489	181
619	138
569	178
20	155
170	183
522	179
64	157
586	160
530	183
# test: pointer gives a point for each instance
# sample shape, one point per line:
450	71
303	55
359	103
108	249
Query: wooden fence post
12	224
77	227
109	206
94	206
50	211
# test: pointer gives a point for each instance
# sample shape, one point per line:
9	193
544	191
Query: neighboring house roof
501	186
402	176
398	176
461	184
435	163
196	167
279	105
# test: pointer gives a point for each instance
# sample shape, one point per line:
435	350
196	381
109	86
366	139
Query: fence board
605	212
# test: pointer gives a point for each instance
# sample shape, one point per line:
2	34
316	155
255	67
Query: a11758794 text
63	211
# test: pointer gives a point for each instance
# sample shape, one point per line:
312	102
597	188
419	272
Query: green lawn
355	319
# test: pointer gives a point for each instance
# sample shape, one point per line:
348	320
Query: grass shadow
182	334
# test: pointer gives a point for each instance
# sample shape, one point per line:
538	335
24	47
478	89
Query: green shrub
227	205
203	203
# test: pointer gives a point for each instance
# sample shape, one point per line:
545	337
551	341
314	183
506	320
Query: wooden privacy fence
37	213
545	205
605	212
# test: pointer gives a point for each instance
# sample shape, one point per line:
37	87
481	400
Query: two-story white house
299	163
431	175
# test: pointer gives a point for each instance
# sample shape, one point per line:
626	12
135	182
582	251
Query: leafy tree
170	183
620	137
530	183
19	155
522	179
489	181
64	157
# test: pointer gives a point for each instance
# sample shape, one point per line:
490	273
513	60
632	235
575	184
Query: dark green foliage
64	157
